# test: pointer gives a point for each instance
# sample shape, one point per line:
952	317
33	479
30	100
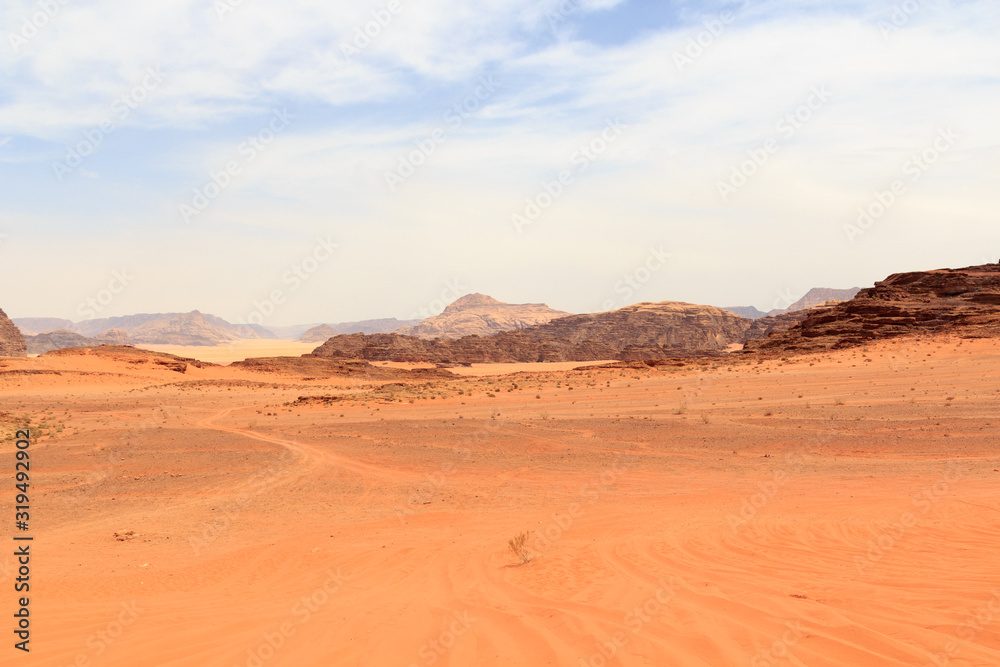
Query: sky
300	161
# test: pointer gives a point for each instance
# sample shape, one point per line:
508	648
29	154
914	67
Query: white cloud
687	130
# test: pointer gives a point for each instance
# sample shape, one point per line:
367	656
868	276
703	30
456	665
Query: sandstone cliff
481	315
961	301
765	326
11	341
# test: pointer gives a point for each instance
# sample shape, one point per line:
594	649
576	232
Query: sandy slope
833	510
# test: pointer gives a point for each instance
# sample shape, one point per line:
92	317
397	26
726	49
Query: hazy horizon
436	307
219	154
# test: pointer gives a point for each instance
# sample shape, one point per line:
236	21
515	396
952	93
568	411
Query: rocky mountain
481	315
641	331
817	296
814	297
320	333
961	301
11	341
64	339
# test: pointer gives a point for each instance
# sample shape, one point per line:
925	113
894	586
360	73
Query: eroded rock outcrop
11	341
642	331
765	326
961	301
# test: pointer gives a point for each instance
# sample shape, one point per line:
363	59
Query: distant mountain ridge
814	297
194	328
481	315
817	296
32	326
748	312
320	333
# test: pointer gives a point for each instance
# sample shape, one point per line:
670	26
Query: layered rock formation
481	315
11	341
961	301
642	331
765	326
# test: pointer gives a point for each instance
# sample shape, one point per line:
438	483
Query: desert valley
690	486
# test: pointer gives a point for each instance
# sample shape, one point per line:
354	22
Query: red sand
832	510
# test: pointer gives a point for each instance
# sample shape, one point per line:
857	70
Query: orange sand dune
841	509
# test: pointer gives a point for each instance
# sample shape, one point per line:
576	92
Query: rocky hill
481	315
961	301
115	337
642	331
64	339
322	332
11	341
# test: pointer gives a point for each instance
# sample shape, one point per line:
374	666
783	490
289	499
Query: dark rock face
765	326
642	331
11	341
962	301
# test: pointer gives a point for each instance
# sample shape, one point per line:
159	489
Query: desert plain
829	509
